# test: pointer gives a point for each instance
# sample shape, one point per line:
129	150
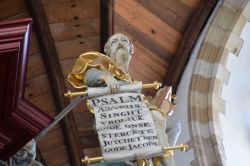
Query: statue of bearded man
93	69
120	49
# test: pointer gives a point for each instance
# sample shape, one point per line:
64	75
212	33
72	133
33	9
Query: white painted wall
235	122
181	110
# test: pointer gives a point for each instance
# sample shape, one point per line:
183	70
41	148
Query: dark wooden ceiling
163	33
156	29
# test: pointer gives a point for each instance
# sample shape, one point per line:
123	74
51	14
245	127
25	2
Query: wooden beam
181	57
39	157
107	19
56	79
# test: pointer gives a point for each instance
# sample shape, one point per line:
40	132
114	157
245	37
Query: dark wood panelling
56	79
137	36
50	141
67	65
37	86
172	12
83	29
23	14
73	48
56	156
75	29
70	11
50	2
34	48
92	152
13	8
157	29
89	140
155	34
85	122
140	66
180	59
107	18
35	66
149	24
44	101
164	28
191	3
39	157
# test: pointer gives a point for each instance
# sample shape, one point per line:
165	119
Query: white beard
122	58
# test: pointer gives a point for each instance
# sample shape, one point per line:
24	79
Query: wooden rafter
56	79
177	64
107	18
39	157
181	57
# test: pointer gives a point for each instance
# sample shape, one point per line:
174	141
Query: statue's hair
107	46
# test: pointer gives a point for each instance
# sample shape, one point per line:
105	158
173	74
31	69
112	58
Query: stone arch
208	76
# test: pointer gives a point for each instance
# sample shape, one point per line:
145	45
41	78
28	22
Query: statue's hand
111	82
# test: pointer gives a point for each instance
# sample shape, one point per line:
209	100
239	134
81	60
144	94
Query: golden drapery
94	60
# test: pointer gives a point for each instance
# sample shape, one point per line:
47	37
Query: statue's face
120	50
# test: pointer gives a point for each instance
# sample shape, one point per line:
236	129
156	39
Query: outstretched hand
111	82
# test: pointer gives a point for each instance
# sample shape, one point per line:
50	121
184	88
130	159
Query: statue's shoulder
94	60
87	58
83	63
80	66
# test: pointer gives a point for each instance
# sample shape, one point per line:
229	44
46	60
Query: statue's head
120	50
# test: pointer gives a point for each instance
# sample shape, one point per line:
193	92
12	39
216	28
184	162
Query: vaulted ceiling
163	33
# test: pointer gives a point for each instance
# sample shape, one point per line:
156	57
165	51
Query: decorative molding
20	120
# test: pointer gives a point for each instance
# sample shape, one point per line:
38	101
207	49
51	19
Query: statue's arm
94	77
97	78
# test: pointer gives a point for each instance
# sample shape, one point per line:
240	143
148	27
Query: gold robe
94	60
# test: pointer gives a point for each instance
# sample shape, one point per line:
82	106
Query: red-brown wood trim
181	57
56	79
20	120
107	19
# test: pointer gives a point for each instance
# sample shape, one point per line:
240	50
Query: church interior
193	46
